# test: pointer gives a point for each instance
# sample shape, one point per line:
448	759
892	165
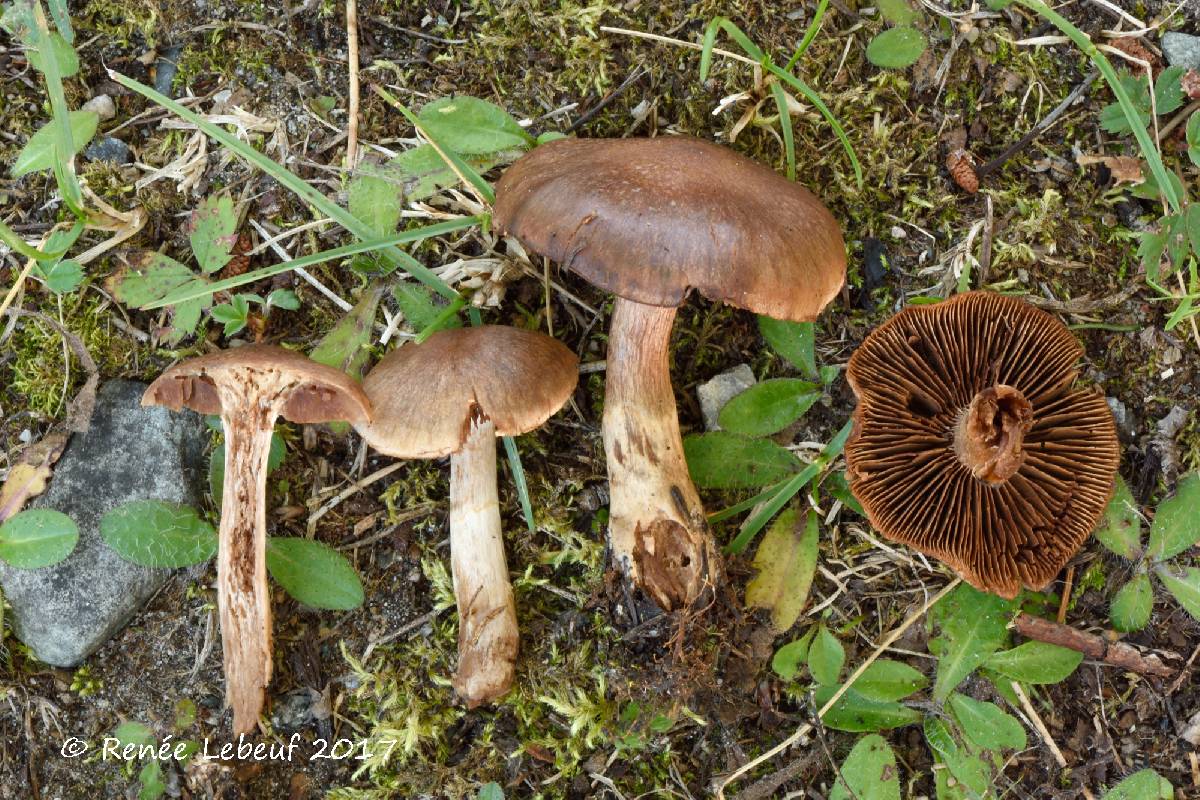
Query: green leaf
1168	90
1035	662
40	151
471	126
786	561
868	773
723	460
1176	525
856	714
377	200
490	791
422	310
1144	785
157	534
837	485
61	277
792	340
896	48
788	659
968	772
1193	139
1131	605
314	574
216	465
825	657
886	680
283	298
150	780
1121	527
212	230
1152	245
422	172
37	538
898	12
151	277
134	733
768	407
345	346
63	53
1184	587
973	626
986	724
234	314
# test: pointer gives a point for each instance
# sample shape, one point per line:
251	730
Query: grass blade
785	123
62	19
64	171
293	183
745	505
518	471
813	28
814	98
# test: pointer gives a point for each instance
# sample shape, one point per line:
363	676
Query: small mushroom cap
426	394
311	392
917	378
651	219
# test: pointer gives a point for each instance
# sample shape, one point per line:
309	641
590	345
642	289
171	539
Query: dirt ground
378	677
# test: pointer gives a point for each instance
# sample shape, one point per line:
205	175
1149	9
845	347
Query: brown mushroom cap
425	394
315	392
971	444
650	219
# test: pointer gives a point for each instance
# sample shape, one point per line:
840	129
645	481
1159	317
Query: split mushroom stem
658	531
487	615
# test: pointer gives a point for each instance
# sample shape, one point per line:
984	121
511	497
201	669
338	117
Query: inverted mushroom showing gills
650	220
972	444
250	387
453	394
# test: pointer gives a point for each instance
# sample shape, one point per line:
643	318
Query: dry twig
1117	654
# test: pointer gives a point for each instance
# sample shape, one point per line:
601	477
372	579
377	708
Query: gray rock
165	69
1122	417
720	390
108	148
1181	49
102	105
66	611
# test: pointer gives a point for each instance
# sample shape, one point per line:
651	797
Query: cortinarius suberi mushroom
453	394
250	387
972	444
650	220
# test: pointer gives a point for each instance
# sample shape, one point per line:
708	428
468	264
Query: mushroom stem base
487	617
658	531
990	434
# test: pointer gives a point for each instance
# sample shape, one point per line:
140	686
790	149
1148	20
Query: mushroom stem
242	596
990	433
487	616
657	529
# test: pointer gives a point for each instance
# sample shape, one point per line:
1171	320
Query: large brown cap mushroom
250	387
972	444
649	219
515	378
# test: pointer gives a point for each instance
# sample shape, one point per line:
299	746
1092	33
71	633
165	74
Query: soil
598	668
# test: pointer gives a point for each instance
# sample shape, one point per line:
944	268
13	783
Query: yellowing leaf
786	560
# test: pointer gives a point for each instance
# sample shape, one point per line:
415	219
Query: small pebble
103	105
109	148
1181	49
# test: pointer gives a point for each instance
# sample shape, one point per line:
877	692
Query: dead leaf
27	479
786	561
1124	169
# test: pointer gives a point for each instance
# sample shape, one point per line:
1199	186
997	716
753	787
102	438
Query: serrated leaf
788	659
1151	246
723	460
376	200
825	657
973	626
856	714
153	533
40	151
62	276
313	573
897	48
987	725
470	126
1035	662
1176	525
1131	605
889	680
1168	91
769	407
1144	785
37	538
792	340
786	561
212	231
1184	587
1120	529
868	773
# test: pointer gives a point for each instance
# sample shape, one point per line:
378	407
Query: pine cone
1135	48
961	166
240	263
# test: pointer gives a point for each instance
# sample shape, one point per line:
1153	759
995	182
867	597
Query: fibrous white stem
487	616
658	532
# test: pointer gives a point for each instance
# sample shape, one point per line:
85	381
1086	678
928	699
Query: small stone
720	390
102	105
1121	416
299	709
165	68
66	611
108	148
1191	732
1181	49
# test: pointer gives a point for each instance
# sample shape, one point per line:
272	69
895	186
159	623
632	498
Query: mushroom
453	394
650	220
972	444
250	387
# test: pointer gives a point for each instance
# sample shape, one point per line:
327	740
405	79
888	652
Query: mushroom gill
971	443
